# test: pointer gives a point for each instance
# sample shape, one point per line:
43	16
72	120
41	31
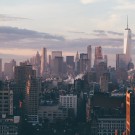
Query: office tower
77	63
22	74
121	67
9	69
104	80
130	112
100	63
89	52
43	61
70	64
36	63
69	102
106	59
58	66
127	43
70	61
56	54
33	87
83	62
0	68
99	60
98	55
50	58
56	62
6	99
120	61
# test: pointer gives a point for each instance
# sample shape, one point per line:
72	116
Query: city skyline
67	67
63	25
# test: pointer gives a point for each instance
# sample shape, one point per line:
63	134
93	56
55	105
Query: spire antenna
127	21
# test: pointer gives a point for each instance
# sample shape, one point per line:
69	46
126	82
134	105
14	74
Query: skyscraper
57	62
89	52
130	112
9	69
22	74
83	62
56	54
43	61
0	68
100	62
120	61
98	55
70	60
127	43
37	63
104	80
58	66
33	87
77	62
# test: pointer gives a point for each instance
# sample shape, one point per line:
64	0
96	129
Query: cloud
16	43
115	33
99	31
4	17
107	33
77	32
88	1
125	5
13	33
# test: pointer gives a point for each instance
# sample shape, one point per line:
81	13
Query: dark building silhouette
130	112
22	74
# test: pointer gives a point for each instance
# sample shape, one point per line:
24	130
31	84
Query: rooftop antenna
127	21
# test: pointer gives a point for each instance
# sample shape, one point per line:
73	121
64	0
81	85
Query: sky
26	26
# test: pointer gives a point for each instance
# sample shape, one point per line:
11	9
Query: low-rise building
69	102
9	125
52	113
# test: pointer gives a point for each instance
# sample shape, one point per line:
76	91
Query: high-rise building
100	63
6	99
120	61
130	112
56	54
98	52
89	52
22	74
57	62
98	56
70	64
104	80
0	68
9	69
83	62
33	87
43	61
58	65
121	67
77	63
36	63
127	43
70	60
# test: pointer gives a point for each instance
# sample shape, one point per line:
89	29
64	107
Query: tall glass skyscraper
43	61
127	43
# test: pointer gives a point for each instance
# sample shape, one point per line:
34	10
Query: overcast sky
68	25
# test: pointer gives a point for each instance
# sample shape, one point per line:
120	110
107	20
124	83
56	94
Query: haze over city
67	67
67	25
